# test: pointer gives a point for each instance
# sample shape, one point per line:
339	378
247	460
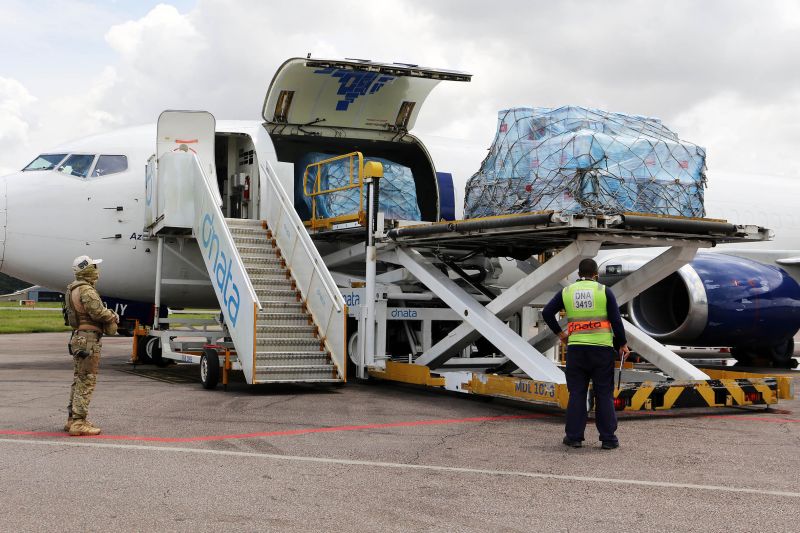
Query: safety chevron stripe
710	393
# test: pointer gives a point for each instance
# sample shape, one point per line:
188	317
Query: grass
46	318
16	320
40	305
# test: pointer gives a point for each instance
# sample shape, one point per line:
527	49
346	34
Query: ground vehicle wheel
152	351
745	356
209	368
352	355
141	353
783	354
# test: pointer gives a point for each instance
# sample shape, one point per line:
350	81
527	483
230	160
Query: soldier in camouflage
90	320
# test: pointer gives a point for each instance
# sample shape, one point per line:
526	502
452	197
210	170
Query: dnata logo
222	269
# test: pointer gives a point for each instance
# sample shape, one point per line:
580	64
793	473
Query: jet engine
718	300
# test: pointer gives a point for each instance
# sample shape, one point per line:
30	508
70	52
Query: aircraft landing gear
779	355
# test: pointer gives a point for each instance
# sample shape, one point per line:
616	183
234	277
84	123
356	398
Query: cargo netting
582	160
398	191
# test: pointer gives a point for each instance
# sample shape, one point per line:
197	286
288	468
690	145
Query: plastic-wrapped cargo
582	160
398	192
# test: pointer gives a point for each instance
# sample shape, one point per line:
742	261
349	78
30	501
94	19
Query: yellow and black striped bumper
728	389
725	389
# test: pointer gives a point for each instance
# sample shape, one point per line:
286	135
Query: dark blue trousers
595	363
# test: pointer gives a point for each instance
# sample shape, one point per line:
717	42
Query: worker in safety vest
593	326
90	319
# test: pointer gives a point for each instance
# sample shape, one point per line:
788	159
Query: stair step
282	307
292	359
296	373
262	380
286	332
260	261
249	233
290	345
277	295
252	240
258	251
281	319
273	284
266	272
243	223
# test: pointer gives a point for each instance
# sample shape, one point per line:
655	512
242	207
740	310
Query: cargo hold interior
292	148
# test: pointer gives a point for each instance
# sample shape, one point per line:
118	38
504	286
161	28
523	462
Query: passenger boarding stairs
288	344
282	311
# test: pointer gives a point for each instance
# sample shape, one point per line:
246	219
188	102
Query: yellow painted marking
641	396
519	389
670	396
408	373
707	393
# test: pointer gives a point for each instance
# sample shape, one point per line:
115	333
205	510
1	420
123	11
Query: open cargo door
351	93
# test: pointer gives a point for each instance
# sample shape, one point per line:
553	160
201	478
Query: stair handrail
303	260
305	238
228	235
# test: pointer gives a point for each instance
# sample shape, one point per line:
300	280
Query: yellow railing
356	180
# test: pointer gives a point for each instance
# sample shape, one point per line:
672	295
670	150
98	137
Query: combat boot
68	424
80	427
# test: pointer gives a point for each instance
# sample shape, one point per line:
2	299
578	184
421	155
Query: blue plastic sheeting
581	160
398	192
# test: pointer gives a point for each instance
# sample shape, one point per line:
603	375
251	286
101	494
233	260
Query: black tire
783	354
141	354
152	351
352	345
209	368
745	356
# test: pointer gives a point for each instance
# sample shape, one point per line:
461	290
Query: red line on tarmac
292	432
758	419
288	432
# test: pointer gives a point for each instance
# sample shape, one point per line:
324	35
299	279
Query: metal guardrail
356	181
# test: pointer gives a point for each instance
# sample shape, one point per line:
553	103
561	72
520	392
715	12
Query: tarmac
367	457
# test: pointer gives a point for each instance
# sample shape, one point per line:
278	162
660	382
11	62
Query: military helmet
82	262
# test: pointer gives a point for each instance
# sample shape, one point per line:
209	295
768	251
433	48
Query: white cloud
722	73
740	135
14	127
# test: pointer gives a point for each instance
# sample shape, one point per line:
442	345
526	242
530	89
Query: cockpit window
45	162
77	165
110	164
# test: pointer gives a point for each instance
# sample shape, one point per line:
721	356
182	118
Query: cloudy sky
722	73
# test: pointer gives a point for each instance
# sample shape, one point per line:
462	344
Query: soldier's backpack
68	307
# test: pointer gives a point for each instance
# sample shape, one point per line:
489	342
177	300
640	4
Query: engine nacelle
716	300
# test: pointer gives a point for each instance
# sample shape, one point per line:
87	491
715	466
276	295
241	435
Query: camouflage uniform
95	320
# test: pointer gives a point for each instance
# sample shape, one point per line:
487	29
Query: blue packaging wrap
582	160
398	191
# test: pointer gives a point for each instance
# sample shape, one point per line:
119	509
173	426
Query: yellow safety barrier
356	181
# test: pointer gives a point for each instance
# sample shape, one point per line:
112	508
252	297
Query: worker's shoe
81	427
68	424
610	445
572	443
